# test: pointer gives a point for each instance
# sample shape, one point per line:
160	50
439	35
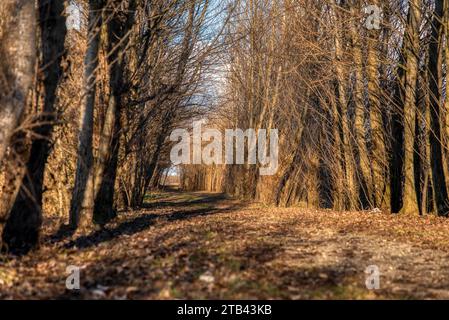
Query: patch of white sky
73	12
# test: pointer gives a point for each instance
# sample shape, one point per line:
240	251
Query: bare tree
22	230
82	203
17	69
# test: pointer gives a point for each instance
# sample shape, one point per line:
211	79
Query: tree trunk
446	58
359	141
286	176
435	82
378	149
17	70
446	100
82	203
396	145
410	200
18	59
106	169
348	156
22	229
110	137
14	169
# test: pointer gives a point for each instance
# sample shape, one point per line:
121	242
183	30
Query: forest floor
205	246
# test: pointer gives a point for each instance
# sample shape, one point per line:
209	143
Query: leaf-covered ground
201	246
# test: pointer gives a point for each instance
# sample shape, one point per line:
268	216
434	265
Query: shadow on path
143	222
204	199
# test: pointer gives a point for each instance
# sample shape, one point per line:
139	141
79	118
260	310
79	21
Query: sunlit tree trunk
361	151
83	193
348	156
410	200
378	150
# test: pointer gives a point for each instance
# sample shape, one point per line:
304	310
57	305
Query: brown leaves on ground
201	246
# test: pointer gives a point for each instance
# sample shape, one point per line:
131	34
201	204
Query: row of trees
362	112
85	112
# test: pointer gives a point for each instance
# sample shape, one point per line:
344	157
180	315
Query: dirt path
199	246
